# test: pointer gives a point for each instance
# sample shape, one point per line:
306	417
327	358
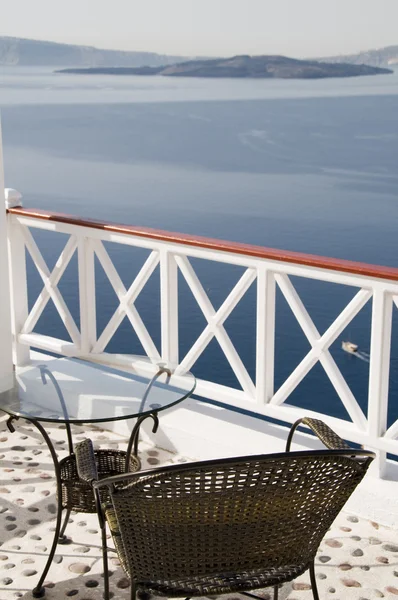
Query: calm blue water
306	166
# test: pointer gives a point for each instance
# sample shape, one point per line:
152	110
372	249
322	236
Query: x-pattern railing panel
215	320
126	301
319	348
50	281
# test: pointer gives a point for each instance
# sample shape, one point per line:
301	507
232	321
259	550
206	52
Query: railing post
379	370
86	269
265	340
169	306
18	285
6	364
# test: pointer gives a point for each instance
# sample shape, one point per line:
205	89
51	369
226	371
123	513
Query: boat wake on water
362	356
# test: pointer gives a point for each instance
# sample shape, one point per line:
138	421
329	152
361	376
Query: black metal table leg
132	448
39	591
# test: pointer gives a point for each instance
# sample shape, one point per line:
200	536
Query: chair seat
77	494
236	582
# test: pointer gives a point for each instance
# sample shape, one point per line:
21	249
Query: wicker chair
230	525
77	494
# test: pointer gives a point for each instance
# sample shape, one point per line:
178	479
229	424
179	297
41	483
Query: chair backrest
233	515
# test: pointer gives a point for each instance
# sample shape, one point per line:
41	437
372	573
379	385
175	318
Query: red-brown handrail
309	260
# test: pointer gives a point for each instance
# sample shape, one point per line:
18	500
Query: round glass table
68	390
72	391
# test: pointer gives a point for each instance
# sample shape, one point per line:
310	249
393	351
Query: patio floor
358	559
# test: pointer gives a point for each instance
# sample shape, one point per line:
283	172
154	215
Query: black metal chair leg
62	537
276	592
133	591
105	563
313	582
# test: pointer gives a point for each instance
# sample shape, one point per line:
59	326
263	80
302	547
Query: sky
298	28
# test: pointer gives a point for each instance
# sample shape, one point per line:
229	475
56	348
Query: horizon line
197	56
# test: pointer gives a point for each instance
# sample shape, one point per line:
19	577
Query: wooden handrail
299	258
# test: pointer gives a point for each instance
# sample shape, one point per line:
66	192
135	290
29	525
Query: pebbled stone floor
357	560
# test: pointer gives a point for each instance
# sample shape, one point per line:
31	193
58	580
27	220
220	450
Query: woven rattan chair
230	525
78	494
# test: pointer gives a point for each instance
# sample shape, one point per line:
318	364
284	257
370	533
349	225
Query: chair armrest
328	437
85	461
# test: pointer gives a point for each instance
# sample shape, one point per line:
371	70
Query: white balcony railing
171	254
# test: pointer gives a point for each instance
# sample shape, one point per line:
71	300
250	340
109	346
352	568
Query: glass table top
76	391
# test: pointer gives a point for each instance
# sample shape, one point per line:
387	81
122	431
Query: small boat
349	347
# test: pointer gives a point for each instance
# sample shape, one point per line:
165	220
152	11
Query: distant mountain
24	52
381	57
245	66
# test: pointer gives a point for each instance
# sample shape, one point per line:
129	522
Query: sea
309	166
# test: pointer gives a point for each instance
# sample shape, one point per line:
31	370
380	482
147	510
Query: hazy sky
208	27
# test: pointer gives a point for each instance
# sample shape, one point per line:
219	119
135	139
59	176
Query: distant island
258	67
72	58
380	57
36	53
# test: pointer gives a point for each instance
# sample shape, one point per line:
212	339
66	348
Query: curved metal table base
60	528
